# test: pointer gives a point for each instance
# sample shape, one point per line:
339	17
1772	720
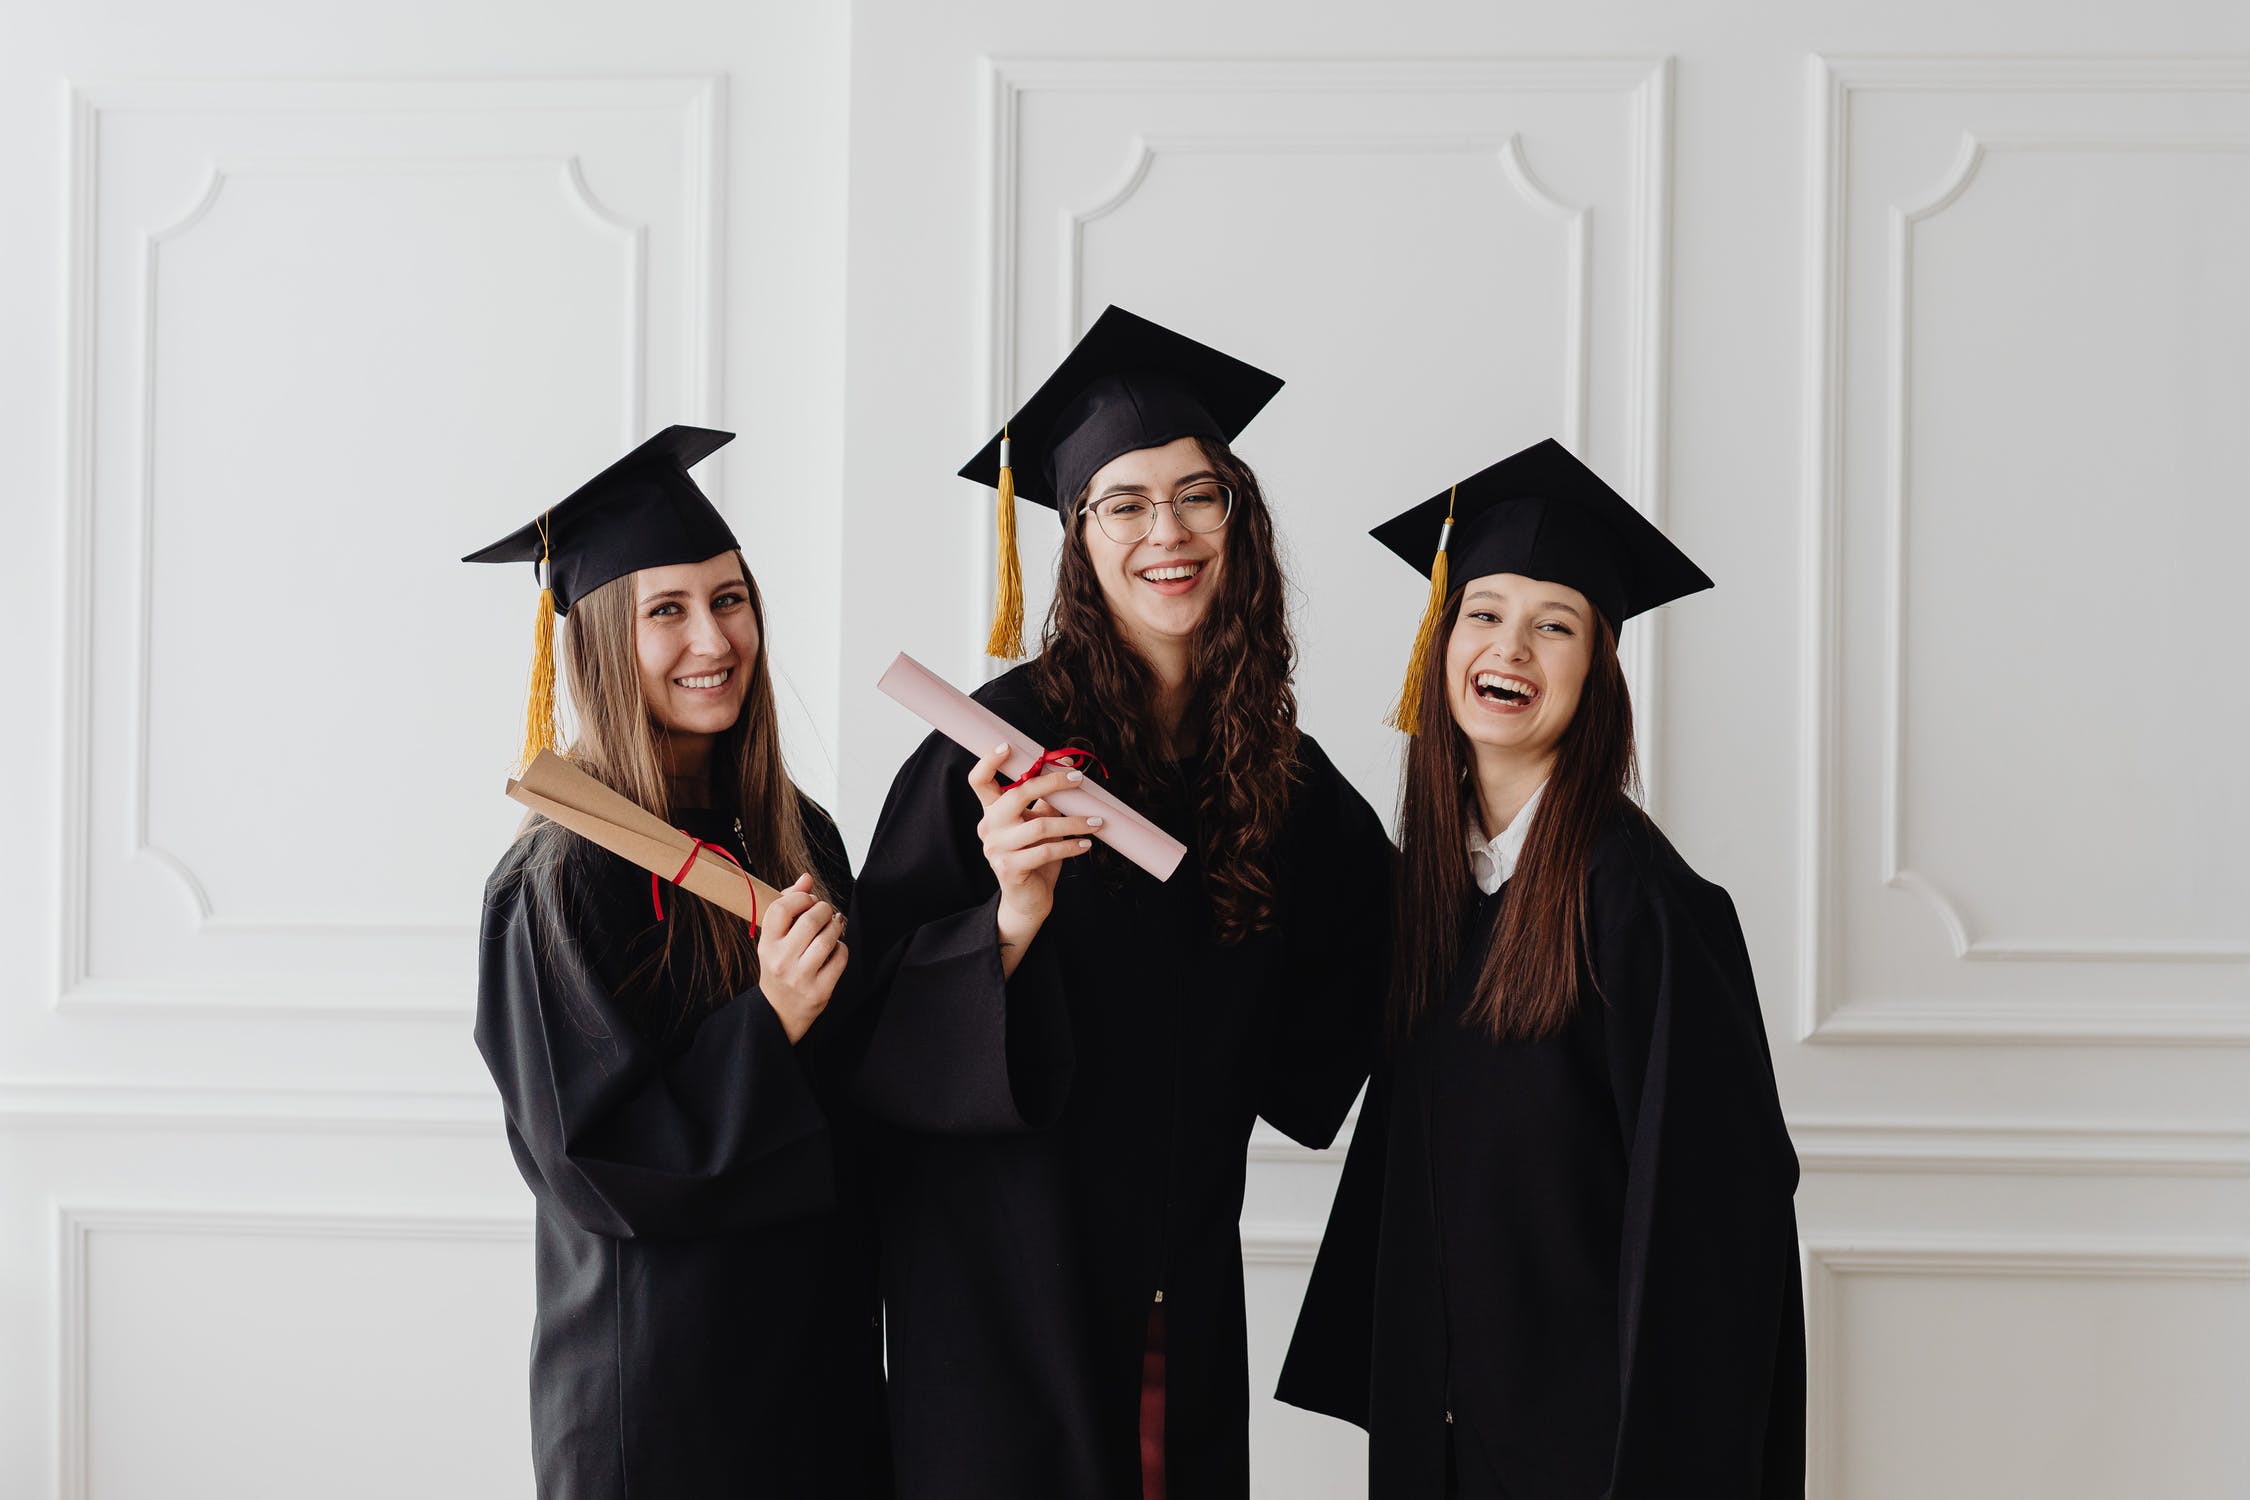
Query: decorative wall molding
2008	1148
1828	1259
165	1108
700	105
75	1226
1644	82
2020	1148
568	175
1916	1147
1969	160
1507	154
1280	1244
1820	1015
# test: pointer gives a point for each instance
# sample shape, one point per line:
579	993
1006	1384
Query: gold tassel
540	718
1407	713
1006	640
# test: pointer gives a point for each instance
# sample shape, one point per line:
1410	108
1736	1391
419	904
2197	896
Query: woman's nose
1166	530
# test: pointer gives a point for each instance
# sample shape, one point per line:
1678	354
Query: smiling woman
1562	1259
1073	1052
706	1299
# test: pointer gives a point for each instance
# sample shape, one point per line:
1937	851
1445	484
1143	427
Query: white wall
299	309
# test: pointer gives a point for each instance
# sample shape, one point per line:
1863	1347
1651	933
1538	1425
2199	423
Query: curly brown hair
1093	681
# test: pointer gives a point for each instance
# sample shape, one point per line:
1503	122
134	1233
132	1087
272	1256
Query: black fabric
707	1309
1070	1141
1584	1247
1128	384
641	512
1543	514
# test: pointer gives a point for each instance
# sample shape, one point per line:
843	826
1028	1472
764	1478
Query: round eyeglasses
1127	519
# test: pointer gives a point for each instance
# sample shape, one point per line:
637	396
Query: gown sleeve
954	1046
1710	1315
1336	963
627	1137
1332	1351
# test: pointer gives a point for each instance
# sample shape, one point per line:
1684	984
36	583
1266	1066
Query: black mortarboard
641	512
1543	514
1128	384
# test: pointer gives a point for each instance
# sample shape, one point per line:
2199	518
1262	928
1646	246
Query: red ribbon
656	881
1065	755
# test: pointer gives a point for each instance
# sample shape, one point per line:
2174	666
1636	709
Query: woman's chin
703	718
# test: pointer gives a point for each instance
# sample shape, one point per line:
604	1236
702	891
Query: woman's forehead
1154	466
720	567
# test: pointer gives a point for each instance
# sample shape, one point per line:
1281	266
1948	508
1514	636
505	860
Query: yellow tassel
1407	713
541	729
1006	640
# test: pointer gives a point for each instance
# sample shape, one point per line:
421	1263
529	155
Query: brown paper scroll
554	788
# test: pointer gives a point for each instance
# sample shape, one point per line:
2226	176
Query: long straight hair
1094	682
708	954
1528	984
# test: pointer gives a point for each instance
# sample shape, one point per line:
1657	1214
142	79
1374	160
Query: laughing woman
1563	1258
1072	1052
706	1299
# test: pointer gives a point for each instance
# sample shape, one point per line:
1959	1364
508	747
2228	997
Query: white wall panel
1422	216
2072	1371
224	1353
2028	393
293	299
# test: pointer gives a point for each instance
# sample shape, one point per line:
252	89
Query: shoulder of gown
624	1135
953	1045
1335	914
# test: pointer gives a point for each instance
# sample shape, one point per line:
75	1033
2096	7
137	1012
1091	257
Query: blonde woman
707	1316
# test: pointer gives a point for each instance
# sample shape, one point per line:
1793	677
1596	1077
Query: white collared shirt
1493	860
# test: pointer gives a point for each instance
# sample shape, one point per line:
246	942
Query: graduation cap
1543	514
641	512
1129	384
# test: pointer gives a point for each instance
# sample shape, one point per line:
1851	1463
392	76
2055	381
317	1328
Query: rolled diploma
553	787
978	730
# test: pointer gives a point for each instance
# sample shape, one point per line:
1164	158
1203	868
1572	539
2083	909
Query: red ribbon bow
656	881
1063	755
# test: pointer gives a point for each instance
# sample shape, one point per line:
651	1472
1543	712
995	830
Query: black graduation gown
1070	1141
1582	1248
707	1310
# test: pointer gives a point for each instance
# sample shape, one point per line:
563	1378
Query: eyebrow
1142	489
732	583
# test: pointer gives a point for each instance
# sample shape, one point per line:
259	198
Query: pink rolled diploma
977	729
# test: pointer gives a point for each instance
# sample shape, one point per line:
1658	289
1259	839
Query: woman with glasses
1072	1053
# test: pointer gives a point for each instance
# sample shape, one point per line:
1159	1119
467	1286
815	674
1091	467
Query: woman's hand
801	955
1025	842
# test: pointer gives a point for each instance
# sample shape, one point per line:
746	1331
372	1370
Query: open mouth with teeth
1505	691
707	682
1172	577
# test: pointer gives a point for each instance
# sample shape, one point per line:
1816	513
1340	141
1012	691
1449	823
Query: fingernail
1093	822
999	749
1077	776
1085	843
